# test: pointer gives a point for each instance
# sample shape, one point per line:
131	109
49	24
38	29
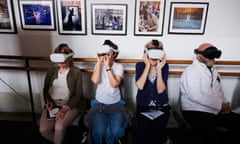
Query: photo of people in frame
71	15
37	14
4	15
109	19
149	12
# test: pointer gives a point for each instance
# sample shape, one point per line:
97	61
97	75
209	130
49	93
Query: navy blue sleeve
139	69
165	72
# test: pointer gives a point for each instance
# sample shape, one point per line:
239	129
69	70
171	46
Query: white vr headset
105	49
59	57
155	53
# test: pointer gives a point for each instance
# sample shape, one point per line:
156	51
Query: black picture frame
71	17
188	17
7	17
37	14
109	19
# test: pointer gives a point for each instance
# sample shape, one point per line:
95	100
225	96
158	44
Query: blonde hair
154	44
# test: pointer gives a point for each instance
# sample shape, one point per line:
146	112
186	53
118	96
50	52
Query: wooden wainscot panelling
27	59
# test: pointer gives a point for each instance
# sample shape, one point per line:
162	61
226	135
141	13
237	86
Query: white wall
222	29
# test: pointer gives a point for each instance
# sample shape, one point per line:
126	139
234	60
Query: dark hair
63	48
1	5
110	43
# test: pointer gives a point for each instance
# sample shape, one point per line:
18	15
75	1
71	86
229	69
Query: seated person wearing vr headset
203	104
151	81
63	95
108	117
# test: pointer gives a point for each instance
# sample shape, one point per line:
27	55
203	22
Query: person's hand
147	27
61	113
145	59
99	59
161	63
106	60
49	105
226	108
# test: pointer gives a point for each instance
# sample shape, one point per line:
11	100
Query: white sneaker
84	139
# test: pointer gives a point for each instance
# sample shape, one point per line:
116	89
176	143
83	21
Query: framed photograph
149	17
109	19
71	17
187	18
37	14
7	21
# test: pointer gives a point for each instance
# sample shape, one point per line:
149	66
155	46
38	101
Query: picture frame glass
71	16
187	18
149	17
7	21
109	19
37	14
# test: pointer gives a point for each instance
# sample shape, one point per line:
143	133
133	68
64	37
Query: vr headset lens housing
155	53
59	57
105	50
210	53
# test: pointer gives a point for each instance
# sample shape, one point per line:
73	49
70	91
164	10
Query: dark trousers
151	131
205	126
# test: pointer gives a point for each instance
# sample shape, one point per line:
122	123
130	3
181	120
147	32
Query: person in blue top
151	81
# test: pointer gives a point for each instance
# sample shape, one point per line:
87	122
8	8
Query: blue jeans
109	126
